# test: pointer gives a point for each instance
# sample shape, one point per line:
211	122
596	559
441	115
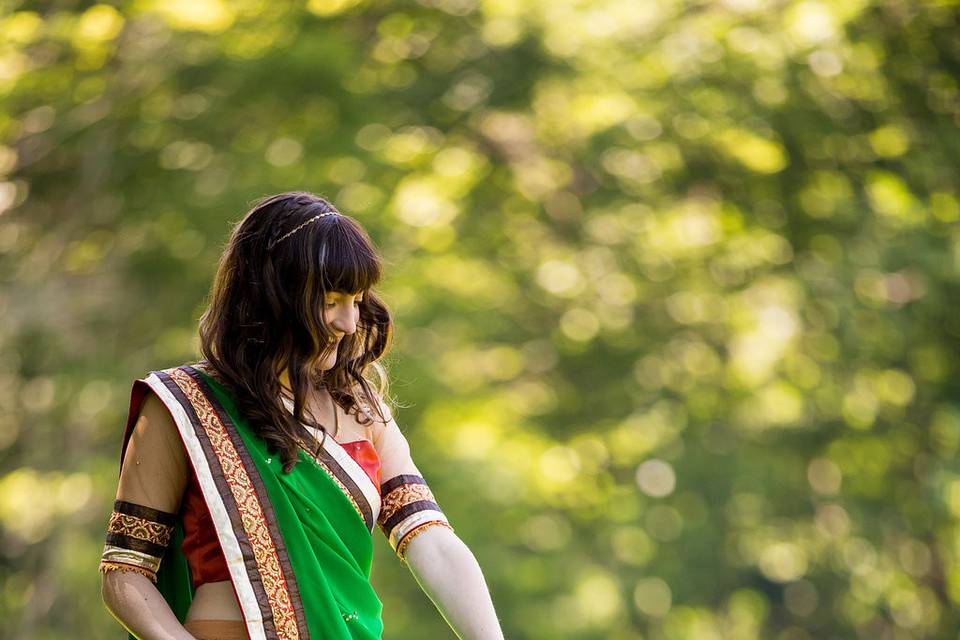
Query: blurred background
671	283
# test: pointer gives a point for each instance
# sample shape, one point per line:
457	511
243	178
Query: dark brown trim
263	497
407	510
396	481
223	488
145	513
136	544
366	509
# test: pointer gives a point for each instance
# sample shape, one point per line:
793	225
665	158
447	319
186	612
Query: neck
284	380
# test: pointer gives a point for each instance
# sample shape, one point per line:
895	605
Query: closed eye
330	305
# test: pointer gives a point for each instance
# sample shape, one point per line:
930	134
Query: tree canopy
671	283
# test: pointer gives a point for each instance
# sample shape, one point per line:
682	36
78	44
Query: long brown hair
265	315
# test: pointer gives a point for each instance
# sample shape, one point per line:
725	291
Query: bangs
348	260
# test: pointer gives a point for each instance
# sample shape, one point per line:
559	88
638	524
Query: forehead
343	294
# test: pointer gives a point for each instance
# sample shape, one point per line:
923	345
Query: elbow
450	546
453	549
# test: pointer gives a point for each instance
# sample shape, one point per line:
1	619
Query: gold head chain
302	225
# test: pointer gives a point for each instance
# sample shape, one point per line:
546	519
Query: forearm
449	574
137	605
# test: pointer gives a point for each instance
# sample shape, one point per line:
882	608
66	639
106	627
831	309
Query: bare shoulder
155	412
378	413
154	424
156	434
154	469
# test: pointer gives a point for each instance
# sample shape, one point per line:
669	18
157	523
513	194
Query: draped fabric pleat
298	545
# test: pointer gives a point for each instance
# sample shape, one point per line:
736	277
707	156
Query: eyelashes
331	305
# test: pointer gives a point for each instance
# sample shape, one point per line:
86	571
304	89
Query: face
341	311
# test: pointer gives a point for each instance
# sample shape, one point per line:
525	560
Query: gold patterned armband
137	538
407	509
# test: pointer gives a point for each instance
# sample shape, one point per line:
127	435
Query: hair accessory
301	225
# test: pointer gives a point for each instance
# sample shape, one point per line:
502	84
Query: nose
344	321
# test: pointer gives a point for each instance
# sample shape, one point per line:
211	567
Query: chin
326	363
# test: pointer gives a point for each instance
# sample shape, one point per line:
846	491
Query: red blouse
200	544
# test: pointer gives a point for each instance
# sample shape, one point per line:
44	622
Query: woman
251	482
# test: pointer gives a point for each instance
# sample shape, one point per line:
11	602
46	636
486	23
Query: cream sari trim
352	469
218	511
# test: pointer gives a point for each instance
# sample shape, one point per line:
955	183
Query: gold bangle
420	528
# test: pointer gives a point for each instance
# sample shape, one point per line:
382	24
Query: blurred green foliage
671	283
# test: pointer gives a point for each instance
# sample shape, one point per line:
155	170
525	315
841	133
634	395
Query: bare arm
137	605
445	568
449	574
153	478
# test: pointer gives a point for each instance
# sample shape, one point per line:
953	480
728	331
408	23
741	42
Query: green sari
298	546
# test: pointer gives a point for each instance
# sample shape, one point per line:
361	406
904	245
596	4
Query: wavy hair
265	314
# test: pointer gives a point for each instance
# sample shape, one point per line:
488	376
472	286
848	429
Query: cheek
330	318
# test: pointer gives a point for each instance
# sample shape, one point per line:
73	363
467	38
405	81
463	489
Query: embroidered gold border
402	496
334	452
251	512
140	528
106	566
340	484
